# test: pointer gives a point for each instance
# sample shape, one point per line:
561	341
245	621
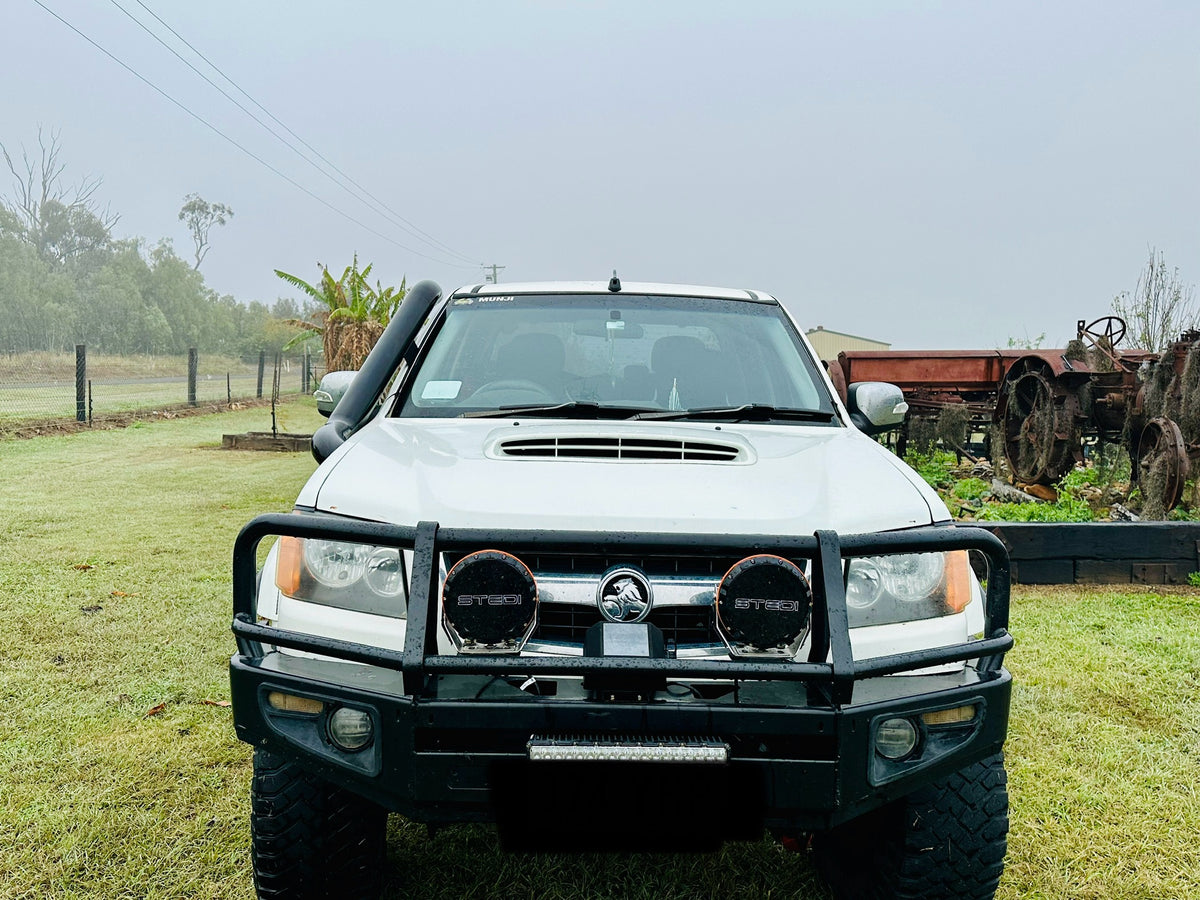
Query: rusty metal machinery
1045	404
1042	422
1161	462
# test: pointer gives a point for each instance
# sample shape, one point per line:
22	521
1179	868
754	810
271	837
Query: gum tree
200	216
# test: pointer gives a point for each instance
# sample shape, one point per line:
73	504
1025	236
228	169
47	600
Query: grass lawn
120	775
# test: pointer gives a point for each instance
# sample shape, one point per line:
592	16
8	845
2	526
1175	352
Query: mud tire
946	841
311	839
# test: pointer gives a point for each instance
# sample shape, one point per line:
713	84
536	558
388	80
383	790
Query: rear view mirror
875	406
331	389
610	328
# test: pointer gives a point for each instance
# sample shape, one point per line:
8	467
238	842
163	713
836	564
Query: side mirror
875	406
331	389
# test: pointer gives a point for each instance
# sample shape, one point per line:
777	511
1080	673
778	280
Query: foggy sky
930	174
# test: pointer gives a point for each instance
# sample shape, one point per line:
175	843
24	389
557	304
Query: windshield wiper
747	412
578	409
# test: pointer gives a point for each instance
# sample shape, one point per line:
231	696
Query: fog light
895	738
350	729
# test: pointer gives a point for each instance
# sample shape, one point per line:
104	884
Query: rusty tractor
1045	405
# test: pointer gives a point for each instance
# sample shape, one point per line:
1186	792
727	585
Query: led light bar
615	749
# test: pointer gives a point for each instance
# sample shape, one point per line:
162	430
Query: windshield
613	356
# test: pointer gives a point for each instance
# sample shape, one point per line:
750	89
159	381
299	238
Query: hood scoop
637	449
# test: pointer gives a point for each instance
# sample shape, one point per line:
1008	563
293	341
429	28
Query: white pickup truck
617	566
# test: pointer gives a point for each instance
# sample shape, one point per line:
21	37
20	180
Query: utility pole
493	278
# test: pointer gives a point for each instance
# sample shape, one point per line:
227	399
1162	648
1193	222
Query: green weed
971	489
1036	512
936	466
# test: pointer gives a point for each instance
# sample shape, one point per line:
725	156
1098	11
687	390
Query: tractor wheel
1042	435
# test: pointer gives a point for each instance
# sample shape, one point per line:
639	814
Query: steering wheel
515	385
1110	329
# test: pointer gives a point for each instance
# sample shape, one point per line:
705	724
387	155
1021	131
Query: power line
362	195
253	156
285	127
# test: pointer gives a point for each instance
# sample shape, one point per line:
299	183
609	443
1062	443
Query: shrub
935	466
971	489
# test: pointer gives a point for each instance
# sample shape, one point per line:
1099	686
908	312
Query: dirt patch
57	426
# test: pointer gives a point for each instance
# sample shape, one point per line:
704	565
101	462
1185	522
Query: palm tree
352	316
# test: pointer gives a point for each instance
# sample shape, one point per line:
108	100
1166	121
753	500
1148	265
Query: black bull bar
829	671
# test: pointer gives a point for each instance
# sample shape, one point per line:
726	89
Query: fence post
304	379
193	366
81	382
262	364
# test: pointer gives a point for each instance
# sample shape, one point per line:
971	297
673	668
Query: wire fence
80	386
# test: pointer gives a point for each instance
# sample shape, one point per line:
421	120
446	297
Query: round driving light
895	738
489	598
864	584
763	604
336	564
384	573
350	729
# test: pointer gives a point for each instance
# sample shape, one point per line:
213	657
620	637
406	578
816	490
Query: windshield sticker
471	301
441	390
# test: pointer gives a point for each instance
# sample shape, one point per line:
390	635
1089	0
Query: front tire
946	841
311	839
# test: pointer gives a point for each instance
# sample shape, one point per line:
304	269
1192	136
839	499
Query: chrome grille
684	588
567	623
596	564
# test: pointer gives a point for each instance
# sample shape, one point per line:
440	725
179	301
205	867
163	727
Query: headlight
907	586
359	577
334	564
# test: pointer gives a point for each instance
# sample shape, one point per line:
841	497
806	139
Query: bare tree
201	216
60	221
1160	307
